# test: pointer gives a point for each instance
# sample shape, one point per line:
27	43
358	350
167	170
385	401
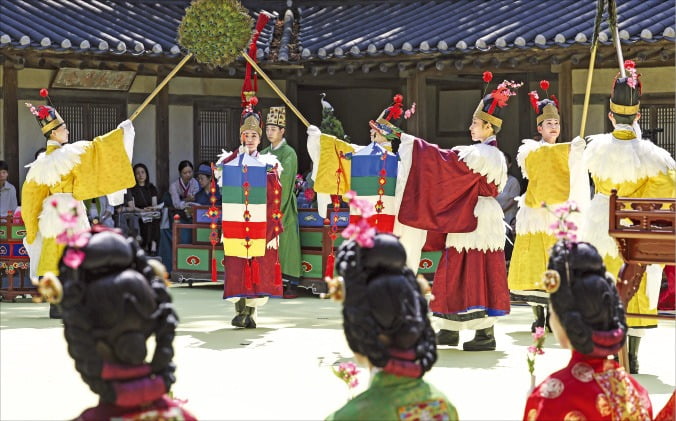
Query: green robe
289	240
391	397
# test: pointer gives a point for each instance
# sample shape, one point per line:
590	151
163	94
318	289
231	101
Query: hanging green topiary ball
215	31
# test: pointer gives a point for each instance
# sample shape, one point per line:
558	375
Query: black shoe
55	312
634	341
240	319
484	340
448	337
290	292
540	319
249	321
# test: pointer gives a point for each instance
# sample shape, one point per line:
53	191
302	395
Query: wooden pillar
416	91
566	101
162	137
10	123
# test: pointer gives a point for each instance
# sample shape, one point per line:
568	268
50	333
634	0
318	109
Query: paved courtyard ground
281	371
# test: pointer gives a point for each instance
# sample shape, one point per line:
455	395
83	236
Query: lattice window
87	120
212	129
658	124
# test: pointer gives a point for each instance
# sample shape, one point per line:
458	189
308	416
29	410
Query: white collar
279	145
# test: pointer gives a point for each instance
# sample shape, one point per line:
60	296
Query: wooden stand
645	232
14	263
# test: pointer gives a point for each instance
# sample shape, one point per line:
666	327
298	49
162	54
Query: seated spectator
203	196
99	211
8	200
142	200
113	301
386	325
182	193
587	317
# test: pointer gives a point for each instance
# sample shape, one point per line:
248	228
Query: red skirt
471	280
262	285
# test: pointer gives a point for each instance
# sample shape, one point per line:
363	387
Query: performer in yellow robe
636	167
67	173
556	174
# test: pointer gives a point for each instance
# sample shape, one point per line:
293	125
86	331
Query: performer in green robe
289	240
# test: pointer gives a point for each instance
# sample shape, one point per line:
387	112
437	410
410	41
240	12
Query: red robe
265	284
589	388
441	195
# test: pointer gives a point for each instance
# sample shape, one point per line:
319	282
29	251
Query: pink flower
349	195
407	114
73	258
532	349
539	333
364	207
80	240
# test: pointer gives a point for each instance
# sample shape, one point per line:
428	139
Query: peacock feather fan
215	31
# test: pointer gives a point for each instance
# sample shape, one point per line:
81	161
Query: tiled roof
136	27
394	28
331	29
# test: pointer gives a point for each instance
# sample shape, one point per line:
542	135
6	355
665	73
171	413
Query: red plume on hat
534	97
249	89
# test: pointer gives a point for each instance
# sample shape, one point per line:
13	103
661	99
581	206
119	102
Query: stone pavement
282	369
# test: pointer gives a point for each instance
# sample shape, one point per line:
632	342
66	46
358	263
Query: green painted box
429	260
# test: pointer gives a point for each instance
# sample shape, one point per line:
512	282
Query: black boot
241	316
539	312
484	340
634	341
54	312
250	322
448	337
547	314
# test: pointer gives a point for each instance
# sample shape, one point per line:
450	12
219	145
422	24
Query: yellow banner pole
587	93
160	86
276	89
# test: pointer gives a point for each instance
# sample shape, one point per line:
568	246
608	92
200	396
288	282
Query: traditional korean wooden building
101	58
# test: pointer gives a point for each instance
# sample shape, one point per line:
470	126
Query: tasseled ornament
247	275
214	272
255	271
330	261
278	273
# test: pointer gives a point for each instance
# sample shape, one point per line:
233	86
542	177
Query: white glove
126	125
578	143
272	244
313	130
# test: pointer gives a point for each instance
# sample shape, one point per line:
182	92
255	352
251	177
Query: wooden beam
565	95
162	137
10	122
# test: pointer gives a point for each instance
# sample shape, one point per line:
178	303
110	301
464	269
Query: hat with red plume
491	105
46	115
546	108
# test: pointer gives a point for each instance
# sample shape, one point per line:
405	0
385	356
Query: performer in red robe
254	274
587	317
451	195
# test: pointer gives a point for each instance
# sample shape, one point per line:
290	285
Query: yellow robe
61	178
636	168
556	174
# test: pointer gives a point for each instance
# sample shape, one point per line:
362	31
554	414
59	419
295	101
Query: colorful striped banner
374	178
244	206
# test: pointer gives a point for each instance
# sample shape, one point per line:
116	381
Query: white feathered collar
609	158
486	160
48	169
